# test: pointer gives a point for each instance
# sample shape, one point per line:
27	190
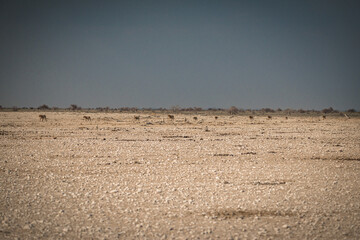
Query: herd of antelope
43	117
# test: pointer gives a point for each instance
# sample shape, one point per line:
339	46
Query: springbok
42	117
87	118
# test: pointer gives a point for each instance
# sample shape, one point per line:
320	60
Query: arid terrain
117	177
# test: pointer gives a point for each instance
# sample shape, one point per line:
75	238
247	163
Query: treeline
233	110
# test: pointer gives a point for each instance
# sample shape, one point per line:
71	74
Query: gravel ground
116	177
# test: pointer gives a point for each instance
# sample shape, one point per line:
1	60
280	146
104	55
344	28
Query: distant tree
233	110
327	110
43	107
74	107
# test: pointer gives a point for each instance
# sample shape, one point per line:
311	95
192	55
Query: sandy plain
115	177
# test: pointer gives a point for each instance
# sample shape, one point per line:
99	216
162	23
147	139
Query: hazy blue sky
251	54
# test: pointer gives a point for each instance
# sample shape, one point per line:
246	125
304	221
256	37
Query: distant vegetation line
176	109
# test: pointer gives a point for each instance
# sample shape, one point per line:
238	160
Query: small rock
27	227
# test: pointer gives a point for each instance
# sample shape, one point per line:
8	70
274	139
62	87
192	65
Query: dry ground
157	178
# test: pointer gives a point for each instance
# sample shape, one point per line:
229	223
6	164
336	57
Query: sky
199	53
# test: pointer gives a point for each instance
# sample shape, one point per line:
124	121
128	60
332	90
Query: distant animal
42	117
195	118
323	117
171	117
286	118
137	118
251	117
87	118
269	117
216	117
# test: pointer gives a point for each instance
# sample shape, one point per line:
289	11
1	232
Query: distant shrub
124	109
175	108
279	110
74	107
301	111
351	110
267	110
103	109
15	109
233	110
314	111
327	110
43	107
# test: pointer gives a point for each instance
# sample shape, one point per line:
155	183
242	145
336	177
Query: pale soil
115	177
